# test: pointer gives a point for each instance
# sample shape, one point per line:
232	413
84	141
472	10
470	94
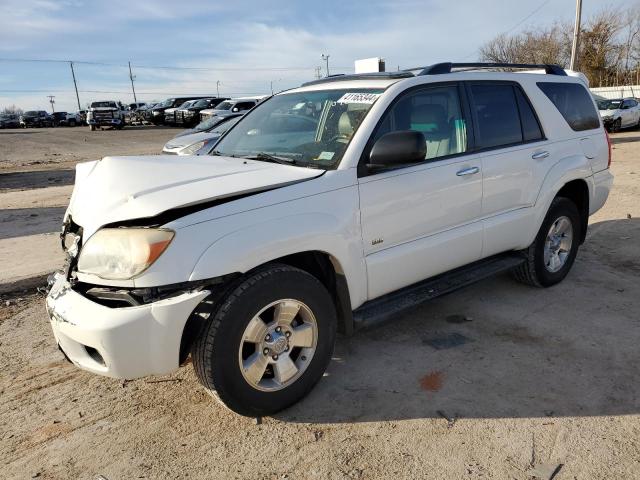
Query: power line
537	9
164	67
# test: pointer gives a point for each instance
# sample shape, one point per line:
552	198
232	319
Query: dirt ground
61	148
530	383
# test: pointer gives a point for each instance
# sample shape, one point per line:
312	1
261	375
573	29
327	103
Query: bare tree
12	110
609	50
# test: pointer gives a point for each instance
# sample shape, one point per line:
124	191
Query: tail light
609	145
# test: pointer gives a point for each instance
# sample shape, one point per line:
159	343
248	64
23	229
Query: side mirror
397	148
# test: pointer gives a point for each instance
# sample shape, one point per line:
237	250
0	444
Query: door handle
540	155
467	171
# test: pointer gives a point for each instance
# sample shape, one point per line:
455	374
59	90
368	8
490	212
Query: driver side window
434	112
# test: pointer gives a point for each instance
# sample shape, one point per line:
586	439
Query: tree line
608	50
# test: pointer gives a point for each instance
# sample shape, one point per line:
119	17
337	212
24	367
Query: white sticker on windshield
325	156
367	98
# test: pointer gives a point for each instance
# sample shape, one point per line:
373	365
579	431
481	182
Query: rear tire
265	345
550	257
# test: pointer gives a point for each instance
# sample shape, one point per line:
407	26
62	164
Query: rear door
422	220
515	157
629	113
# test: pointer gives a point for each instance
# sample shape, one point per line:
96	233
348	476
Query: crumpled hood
184	140
115	189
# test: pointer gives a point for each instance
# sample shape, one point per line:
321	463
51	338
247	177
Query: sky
249	46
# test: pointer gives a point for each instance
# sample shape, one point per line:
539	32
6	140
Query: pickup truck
326	208
106	113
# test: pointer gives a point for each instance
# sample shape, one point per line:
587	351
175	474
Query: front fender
257	244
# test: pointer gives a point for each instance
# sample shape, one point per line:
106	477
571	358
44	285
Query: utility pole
73	74
318	72
576	36
132	87
52	101
326	59
218	88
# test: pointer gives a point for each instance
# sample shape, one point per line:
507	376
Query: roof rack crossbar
443	68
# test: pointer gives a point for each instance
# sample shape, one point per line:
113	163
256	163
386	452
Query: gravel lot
537	381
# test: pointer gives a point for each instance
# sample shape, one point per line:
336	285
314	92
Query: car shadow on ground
20	222
36	179
500	349
617	140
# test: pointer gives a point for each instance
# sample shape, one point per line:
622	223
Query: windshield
31	113
210	123
224	106
225	125
201	103
186	104
167	103
609	104
309	129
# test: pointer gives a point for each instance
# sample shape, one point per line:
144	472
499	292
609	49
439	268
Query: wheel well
319	264
578	192
326	269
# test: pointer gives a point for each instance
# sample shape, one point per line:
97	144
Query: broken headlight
123	253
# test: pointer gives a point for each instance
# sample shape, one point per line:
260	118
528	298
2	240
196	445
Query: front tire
550	257
265	346
617	125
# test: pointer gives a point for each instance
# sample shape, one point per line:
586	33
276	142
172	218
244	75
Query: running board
384	308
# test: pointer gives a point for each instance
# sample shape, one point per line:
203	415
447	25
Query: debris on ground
546	471
451	420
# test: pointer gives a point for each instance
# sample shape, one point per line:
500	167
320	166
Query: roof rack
443	68
361	76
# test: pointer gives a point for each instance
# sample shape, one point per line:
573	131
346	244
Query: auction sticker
354	97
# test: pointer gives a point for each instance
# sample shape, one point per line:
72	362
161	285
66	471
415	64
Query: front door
422	220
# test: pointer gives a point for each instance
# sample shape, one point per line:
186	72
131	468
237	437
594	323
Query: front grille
102	115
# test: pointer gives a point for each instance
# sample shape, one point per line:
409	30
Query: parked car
170	113
157	113
619	113
250	259
208	124
198	143
106	113
36	118
9	120
190	115
64	119
232	105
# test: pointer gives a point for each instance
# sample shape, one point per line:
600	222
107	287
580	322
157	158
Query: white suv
325	208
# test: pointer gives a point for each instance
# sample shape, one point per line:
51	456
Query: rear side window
530	127
497	117
574	103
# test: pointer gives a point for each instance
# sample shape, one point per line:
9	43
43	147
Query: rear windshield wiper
267	157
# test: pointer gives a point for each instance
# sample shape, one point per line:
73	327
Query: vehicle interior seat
346	124
431	121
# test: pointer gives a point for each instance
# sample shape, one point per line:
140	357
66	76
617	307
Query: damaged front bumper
125	342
